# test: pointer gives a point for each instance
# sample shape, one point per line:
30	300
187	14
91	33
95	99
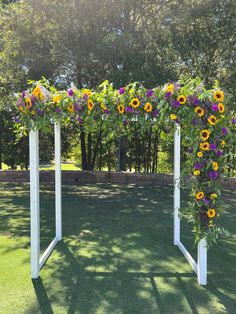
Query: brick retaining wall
78	177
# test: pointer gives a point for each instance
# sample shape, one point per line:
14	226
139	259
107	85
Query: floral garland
202	113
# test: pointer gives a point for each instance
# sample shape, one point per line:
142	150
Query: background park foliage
86	41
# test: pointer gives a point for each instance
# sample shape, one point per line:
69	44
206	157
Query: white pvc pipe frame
37	262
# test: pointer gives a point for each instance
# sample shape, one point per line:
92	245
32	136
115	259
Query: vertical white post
58	212
34	203
177	152
202	262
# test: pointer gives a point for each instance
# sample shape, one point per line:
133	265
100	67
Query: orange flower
90	104
148	107
215	165
121	108
204	146
135	102
221	108
200	111
28	103
218	95
212	120
182	99
211	213
71	108
199	195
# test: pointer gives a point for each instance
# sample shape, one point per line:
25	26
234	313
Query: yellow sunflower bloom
200	111
121	108
87	92
215	165
199	195
212	120
28	103
182	99
148	107
56	99
135	102
200	154
221	108
211	213
90	104
218	95
204	146
173	116
170	88
205	134
37	91
196	172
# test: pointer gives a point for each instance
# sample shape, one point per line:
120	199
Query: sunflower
200	111
222	143
56	99
221	108
212	120
135	102
200	154
218	95
90	104
215	165
170	88
205	134
182	99
121	109
86	92
28	103
37	91
199	195
196	172
71	108
204	146
173	116
148	107
211	213
103	106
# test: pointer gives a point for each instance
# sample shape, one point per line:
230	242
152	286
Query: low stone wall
83	177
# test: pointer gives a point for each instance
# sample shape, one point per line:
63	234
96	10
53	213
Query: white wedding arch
37	261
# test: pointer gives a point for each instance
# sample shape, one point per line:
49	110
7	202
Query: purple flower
219	153
58	110
213	175
190	150
85	96
196	101
106	111
214	107
198	166
224	131
79	120
176	103
125	122
16	119
233	120
70	92
207	201
23	94
40	112
195	121
129	109
150	92
121	90
168	94
155	113
212	146
33	99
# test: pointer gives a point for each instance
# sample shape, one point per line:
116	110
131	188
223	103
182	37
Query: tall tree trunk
122	153
83	149
89	147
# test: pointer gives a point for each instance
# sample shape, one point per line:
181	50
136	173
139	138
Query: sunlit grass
117	255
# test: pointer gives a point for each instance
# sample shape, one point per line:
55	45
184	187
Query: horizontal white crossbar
47	252
188	256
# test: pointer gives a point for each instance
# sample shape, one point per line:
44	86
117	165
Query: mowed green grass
116	257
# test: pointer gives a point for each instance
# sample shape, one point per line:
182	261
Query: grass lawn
117	255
